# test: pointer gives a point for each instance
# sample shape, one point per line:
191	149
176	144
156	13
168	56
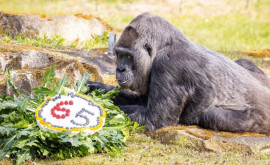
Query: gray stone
69	27
104	62
24	81
4	60
30	59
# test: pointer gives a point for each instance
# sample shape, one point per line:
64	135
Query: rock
208	140
70	27
264	53
105	62
4	60
28	65
3	83
30	59
24	81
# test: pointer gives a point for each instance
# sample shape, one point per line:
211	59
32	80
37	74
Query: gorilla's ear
148	48
132	33
128	37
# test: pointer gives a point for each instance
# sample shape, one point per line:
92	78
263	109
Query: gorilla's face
134	61
125	69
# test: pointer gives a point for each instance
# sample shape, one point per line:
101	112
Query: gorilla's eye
129	57
119	55
148	48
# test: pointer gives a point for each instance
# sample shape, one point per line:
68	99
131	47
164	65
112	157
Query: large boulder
208	140
70	27
28	65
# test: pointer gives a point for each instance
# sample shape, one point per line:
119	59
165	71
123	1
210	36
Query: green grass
236	34
57	42
144	150
219	25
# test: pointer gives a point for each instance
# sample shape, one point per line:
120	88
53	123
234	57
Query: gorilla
176	81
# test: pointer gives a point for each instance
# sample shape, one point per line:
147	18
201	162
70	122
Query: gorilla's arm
123	98
166	98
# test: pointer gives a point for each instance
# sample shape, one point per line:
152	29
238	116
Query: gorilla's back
235	86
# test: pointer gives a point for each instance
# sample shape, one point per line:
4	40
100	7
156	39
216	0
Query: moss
2	31
42	15
89	17
93	71
202	133
15	63
38	74
16	48
110	80
100	51
3	83
258	53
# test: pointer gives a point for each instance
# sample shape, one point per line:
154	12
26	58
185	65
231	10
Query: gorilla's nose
121	70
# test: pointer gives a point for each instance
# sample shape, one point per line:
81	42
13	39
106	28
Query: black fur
180	82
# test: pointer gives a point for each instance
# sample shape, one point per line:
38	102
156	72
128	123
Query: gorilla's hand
98	85
94	85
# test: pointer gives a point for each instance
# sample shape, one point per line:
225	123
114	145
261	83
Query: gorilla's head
137	49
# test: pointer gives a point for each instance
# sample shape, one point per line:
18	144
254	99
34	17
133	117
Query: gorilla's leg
219	119
249	66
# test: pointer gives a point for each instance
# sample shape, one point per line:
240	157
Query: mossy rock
209	140
71	27
265	53
3	83
35	61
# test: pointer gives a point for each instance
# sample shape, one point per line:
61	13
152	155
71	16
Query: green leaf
80	85
117	121
112	93
7	146
20	143
11	84
5	98
6	131
23	156
48	77
44	91
8	104
21	124
73	141
62	83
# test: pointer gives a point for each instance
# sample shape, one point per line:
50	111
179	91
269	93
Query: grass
219	25
144	150
57	42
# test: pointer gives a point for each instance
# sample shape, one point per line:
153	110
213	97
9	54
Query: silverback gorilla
180	82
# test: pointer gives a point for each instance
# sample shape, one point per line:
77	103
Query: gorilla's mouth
123	83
